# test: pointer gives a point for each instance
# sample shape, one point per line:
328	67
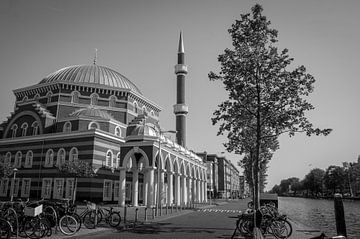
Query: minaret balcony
181	109
181	68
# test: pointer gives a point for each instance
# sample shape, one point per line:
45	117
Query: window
18	158
7	158
48	96
25	187
135	107
67	127
13	130
117	160
37	96
69	190
118	131
60	157
29	159
112	101
25	98
24	128
4	184
108	160
58	188
93	125
152	113
73	155
75	97
143	109
94	99
46	188
14	188
49	158
35	128
107	190
116	190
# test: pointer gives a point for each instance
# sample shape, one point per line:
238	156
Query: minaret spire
180	108
95	56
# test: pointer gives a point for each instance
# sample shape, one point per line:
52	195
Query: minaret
180	108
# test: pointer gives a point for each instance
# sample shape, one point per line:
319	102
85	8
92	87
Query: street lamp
158	204
15	170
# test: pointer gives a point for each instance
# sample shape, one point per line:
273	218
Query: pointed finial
96	56
181	44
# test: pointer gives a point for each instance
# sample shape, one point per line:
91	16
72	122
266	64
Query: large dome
94	75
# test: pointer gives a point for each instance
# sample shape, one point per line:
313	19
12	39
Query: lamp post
158	203
15	170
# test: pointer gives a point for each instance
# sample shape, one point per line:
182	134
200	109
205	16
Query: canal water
319	214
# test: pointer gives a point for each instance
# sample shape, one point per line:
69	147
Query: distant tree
275	189
266	99
335	178
313	181
77	168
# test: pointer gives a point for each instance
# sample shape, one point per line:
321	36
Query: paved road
206	223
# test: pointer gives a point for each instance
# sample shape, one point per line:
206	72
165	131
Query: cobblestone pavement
204	221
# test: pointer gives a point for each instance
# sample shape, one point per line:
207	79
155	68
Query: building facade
95	114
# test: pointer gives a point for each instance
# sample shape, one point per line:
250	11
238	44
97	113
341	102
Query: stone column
170	198
135	188
188	189
149	182
184	189
162	194
205	191
198	191
122	185
177	189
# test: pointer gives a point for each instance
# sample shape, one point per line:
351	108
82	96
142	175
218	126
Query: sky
139	39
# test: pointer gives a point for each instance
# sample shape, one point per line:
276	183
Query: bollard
339	215
136	214
125	212
166	209
153	213
160	209
171	208
96	216
145	217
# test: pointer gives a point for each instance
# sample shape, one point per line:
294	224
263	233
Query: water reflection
319	214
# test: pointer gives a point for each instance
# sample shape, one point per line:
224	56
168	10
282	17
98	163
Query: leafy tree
266	99
77	168
335	178
313	181
275	189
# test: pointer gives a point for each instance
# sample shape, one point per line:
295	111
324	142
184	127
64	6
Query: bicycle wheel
5	229
68	225
51	215
246	227
89	219
114	219
281	228
33	228
78	219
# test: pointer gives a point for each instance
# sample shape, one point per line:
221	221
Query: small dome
92	113
91	75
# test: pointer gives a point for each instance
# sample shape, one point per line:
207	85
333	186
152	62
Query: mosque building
95	114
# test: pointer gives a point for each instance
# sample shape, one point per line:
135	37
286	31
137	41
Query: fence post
339	215
136	214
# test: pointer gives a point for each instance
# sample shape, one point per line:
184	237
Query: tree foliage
265	97
313	181
335	178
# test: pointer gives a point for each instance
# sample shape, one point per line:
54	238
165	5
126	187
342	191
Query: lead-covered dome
91	75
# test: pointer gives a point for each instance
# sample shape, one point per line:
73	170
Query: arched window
25	98
112	101
24	128
8	158
143	109
67	127
117	160
49	158
75	97
108	160
118	131
48	96
60	157
18	157
152	113
37	96
73	155
136	107
29	159
14	130
94	99
93	125
35	128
